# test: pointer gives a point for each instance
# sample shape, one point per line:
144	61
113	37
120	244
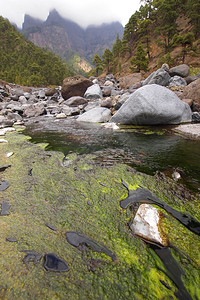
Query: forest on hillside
24	63
157	21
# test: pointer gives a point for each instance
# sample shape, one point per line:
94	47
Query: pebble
3	141
9	154
61	116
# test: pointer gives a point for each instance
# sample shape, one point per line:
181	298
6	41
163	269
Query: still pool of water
144	148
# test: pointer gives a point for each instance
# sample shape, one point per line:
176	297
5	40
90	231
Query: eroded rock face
160	77
128	81
153	105
146	224
192	91
75	86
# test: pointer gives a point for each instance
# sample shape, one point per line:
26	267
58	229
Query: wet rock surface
59	195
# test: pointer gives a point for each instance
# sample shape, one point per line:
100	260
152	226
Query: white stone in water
61	116
176	176
6	129
110	125
9	154
146	224
9	129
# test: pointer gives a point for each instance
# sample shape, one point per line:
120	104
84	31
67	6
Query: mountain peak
30	22
53	18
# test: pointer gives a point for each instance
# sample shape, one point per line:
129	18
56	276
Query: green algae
58	195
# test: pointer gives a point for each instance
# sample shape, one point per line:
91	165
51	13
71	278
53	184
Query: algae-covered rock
59	196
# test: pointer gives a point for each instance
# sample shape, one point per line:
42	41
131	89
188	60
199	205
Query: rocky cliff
65	37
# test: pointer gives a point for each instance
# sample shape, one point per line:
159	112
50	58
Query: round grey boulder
177	81
181	70
93	92
153	105
96	115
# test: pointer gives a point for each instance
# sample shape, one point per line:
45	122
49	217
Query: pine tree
117	47
186	41
130	32
167	12
139	61
107	56
193	9
97	61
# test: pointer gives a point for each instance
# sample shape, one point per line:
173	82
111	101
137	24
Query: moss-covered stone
58	195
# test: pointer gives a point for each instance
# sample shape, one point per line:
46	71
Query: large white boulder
153	105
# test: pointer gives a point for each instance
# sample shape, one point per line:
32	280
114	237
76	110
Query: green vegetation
139	61
157	21
24	63
97	61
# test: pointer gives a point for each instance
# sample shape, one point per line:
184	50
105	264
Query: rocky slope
65	37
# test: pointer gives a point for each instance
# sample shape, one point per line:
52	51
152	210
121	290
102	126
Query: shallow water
148	149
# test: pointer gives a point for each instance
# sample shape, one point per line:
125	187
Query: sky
83	12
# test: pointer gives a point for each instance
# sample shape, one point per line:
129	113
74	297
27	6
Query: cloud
83	12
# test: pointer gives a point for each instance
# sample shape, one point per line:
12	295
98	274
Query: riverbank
190	130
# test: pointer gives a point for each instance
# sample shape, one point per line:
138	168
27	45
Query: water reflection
147	149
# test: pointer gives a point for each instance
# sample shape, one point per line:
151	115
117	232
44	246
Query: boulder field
166	96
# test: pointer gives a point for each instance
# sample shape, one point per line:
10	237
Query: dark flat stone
83	243
12	240
5	206
31	256
3	168
51	227
4	184
54	263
